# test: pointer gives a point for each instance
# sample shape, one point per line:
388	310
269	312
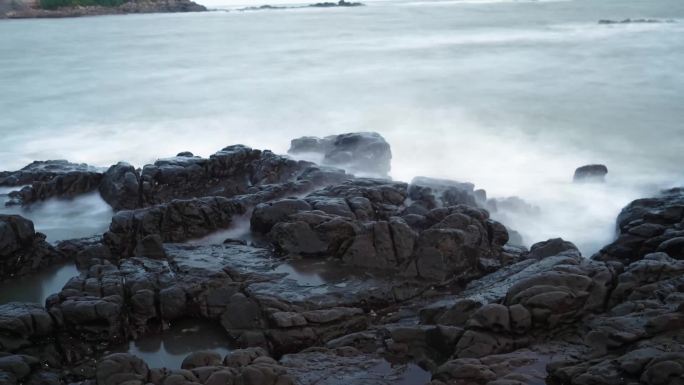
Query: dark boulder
23	324
590	173
141	231
551	247
22	250
120	187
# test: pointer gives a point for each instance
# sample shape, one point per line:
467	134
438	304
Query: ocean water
509	95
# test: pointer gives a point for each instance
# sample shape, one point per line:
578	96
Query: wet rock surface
337	280
50	179
235	170
646	226
22	249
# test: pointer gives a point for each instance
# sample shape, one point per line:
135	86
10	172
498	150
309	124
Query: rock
201	359
120	187
18	366
242	313
22	250
590	173
176	221
459	244
234	170
646	226
348	366
243	357
356	222
51	179
266	215
563	295
432	193
408	274
255	175
552	247
122	369
364	153
492	317
464	371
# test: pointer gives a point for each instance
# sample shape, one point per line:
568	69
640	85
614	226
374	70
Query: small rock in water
591	173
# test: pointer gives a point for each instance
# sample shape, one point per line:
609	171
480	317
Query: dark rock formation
51	178
590	173
646	226
22	250
430	193
360	222
364	153
132	231
120	187
235	170
343	280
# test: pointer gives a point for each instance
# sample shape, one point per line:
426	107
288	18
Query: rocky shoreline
415	283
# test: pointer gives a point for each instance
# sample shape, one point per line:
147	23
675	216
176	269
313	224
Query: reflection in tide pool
39	286
168	349
61	219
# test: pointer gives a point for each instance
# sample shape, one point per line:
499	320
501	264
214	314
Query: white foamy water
512	96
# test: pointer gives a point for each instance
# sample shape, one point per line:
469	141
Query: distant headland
25	9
